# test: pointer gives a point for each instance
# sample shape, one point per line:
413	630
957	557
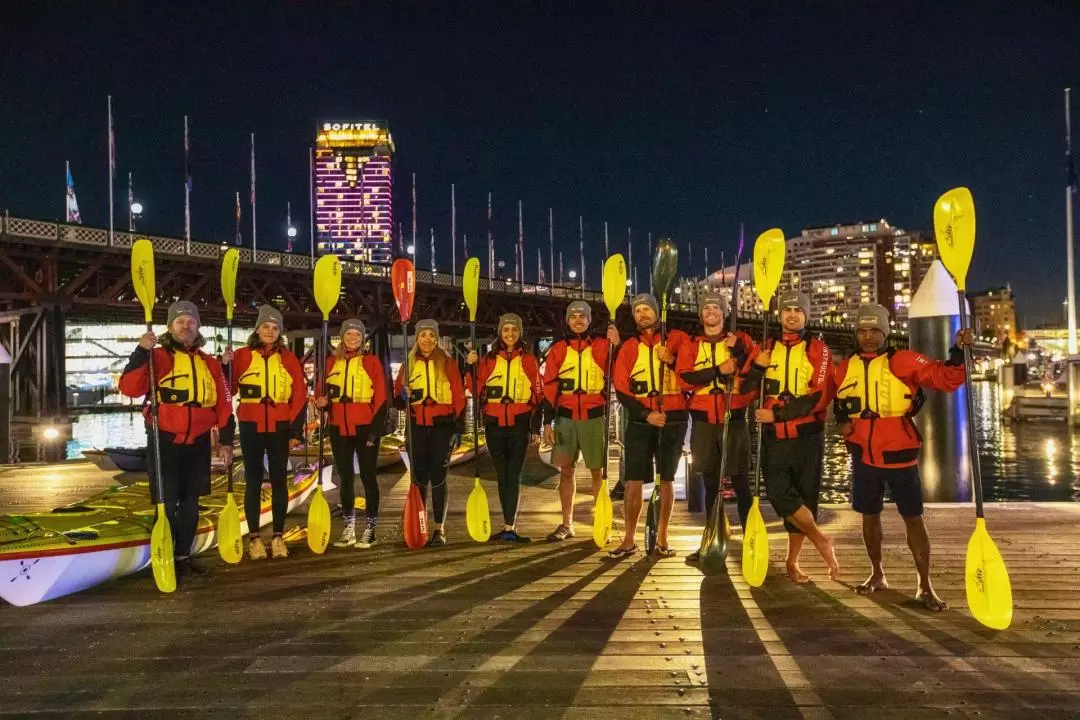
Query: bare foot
872	584
797	576
929	600
829	556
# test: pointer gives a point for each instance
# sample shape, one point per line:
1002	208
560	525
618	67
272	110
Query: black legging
430	458
740	483
276	447
345	448
507	446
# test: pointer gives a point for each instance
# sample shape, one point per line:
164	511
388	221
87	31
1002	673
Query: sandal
664	551
619	553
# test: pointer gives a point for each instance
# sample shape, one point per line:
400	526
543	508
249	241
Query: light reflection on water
1026	461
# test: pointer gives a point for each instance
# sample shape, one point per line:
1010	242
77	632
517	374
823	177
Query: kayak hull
50	562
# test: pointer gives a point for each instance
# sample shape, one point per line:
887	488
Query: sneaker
277	548
367	538
561	533
512	536
437	539
348	535
256	549
616	493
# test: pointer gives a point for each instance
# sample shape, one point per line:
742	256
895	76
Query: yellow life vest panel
265	377
580	372
189	382
348	381
508	382
428	380
872	386
645	377
790	370
711	355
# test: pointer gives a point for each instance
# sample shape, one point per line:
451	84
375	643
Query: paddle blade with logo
602	512
470	285
665	267
414	519
769	253
327	284
755	550
477	516
142	275
712	554
403	280
318	522
614	283
989	591
230	264
954	226
161	552
652	519
230	544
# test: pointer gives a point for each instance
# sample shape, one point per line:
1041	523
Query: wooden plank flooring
553	630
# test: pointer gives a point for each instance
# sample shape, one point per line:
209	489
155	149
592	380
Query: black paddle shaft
761	402
718	505
973	447
405	372
228	336
320	370
156	440
475	402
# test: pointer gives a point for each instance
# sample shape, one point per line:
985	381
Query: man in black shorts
648	389
879	392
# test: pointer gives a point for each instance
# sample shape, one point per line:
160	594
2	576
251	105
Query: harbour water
1025	461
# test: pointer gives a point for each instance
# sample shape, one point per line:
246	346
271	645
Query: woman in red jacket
436	404
508	380
272	390
355	391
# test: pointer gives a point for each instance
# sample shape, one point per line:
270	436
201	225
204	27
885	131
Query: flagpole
581	249
187	189
521	245
491	246
432	251
112	172
551	246
606	251
630	255
131	202
288	223
254	251
238	240
67	184
311	202
1070	261
539	267
414	253
562	278
453	236
650	259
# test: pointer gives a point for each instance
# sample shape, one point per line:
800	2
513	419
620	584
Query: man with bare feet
799	386
880	390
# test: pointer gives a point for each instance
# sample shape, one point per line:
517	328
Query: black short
868	488
643	442
792	473
705	439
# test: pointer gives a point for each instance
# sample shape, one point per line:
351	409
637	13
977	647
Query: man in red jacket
798	389
648	390
715	360
574	385
879	392
193	402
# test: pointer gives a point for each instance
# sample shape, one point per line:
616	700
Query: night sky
677	118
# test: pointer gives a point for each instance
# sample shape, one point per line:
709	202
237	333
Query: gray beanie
645	299
510	319
873	316
579	306
183	307
427	324
709	296
269	314
353	324
794	298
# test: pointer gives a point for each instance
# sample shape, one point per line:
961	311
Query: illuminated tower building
353	190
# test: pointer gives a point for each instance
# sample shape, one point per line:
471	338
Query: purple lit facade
354	216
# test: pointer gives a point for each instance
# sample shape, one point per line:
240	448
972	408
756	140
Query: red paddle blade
403	278
415	518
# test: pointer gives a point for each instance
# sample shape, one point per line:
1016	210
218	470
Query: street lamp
411	249
573	274
291	232
136	210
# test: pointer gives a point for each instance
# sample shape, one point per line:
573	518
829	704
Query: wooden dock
554	631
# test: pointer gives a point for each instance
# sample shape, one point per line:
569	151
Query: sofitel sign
350	126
